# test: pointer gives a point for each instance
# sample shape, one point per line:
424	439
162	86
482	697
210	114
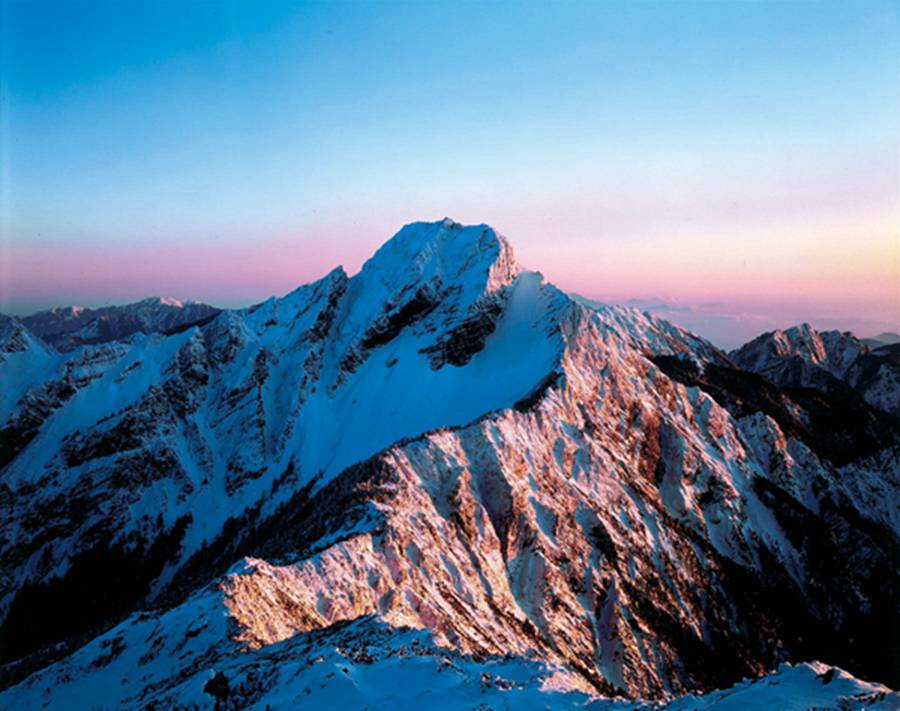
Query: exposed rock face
445	443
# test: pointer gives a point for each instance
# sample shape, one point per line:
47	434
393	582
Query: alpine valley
443	482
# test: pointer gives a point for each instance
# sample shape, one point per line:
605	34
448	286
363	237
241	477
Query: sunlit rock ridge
441	478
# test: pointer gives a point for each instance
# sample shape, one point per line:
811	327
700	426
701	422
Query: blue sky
627	149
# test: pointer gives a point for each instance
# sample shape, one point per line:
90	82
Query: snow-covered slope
24	360
441	443
67	327
185	660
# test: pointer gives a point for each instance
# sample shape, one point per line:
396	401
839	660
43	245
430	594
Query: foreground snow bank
182	663
801	687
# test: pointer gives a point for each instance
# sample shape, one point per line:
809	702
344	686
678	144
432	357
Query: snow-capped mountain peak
440	442
445	252
168	301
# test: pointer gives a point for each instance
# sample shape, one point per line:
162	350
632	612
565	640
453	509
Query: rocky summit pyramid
442	481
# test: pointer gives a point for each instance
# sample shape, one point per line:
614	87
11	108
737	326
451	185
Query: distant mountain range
66	328
882	339
442	481
827	361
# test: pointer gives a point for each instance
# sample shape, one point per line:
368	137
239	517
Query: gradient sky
740	159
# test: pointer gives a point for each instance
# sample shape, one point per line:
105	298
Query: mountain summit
440	464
